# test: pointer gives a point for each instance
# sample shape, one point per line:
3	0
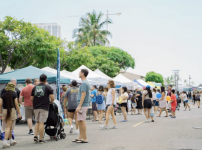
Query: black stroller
54	124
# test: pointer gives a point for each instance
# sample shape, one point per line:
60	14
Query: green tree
154	77
91	32
23	44
117	55
108	59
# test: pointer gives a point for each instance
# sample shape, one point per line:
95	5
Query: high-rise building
52	28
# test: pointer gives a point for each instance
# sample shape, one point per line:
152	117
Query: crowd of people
76	100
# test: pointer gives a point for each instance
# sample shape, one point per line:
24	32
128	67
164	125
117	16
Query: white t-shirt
123	96
184	97
154	95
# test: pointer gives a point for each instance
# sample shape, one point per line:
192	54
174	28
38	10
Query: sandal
81	141
76	140
165	116
158	116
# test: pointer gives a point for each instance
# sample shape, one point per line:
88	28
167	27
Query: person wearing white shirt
185	100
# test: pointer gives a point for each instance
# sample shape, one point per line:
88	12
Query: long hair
162	89
154	89
149	92
101	88
9	103
124	89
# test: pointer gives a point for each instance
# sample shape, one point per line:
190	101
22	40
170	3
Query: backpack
99	99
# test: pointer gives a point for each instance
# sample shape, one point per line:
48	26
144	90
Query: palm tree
91	31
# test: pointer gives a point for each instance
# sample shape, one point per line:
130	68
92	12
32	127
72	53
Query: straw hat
10	87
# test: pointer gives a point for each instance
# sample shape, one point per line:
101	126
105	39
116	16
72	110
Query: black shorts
71	110
94	107
124	105
147	103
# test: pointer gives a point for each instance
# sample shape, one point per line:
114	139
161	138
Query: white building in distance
52	28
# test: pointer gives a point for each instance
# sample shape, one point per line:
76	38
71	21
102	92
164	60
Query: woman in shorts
185	99
110	102
9	103
146	101
71	96
124	97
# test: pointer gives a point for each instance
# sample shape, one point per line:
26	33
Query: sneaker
31	132
13	143
114	127
103	127
77	131
6	145
124	120
71	130
152	121
42	141
36	139
173	117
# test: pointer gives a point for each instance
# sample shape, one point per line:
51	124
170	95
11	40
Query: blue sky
162	35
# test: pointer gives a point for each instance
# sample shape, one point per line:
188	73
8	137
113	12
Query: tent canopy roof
123	80
102	74
30	72
65	74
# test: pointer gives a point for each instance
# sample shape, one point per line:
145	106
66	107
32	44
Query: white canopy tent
102	74
126	82
66	74
98	79
143	82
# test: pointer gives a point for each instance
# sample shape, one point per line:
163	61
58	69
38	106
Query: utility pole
176	76
107	19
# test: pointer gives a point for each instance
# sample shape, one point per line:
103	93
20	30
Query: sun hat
10	87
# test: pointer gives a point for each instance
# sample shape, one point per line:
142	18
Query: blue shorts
186	101
156	103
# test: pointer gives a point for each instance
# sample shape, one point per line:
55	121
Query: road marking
138	124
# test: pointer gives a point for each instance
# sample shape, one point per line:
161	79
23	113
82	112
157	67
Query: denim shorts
186	101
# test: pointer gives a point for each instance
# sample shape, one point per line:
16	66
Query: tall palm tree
91	32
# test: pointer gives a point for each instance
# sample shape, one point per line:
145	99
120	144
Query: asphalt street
163	134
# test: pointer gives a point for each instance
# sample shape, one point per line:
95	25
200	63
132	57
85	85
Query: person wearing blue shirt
93	100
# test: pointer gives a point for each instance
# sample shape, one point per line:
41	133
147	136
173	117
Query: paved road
163	134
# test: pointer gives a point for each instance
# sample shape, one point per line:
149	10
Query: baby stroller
54	124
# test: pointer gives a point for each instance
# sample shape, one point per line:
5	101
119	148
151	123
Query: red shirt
26	93
173	104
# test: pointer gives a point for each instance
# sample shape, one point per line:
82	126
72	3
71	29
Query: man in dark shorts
42	95
94	104
71	96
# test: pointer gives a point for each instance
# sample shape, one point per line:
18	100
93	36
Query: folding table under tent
99	80
30	72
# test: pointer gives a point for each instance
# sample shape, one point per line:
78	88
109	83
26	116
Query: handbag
119	100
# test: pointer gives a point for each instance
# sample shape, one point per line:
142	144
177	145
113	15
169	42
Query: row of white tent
97	77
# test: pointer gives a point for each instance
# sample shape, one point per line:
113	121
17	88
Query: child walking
173	103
